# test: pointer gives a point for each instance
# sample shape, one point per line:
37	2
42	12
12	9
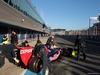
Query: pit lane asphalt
70	66
66	65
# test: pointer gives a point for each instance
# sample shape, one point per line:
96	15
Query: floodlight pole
89	28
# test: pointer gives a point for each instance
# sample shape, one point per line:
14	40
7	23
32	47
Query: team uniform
80	44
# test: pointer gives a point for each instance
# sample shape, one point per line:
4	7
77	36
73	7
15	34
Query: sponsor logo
24	51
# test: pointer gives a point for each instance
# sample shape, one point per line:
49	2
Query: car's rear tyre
67	52
2	60
35	64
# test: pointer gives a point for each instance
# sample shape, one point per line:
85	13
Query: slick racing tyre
35	64
67	52
2	61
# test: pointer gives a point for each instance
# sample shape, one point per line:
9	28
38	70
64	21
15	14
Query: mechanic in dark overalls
80	44
39	46
50	41
8	51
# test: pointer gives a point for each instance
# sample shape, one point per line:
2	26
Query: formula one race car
52	54
31	58
25	56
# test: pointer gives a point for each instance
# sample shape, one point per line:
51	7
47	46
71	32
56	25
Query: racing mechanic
46	54
52	53
50	41
80	44
8	51
43	55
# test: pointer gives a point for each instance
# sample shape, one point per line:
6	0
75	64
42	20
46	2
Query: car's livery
31	58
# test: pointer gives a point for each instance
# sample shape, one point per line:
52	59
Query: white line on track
23	72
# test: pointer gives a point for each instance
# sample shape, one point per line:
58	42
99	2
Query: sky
68	14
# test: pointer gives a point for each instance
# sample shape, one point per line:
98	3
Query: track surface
66	65
70	66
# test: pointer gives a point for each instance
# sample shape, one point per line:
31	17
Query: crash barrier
89	40
2	59
93	42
